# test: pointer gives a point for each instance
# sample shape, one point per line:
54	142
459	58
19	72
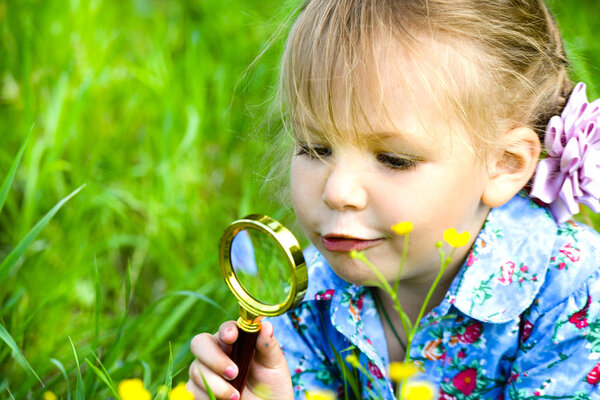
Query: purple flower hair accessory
570	174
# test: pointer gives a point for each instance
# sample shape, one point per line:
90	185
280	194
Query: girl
433	111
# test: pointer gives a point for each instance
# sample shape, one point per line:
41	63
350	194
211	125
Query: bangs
329	71
337	58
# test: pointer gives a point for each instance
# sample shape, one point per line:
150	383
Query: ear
512	166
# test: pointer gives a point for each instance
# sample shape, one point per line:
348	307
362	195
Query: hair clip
570	173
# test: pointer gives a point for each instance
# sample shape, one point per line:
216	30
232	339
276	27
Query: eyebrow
370	136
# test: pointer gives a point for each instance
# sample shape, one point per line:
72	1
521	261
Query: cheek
302	191
297	173
296	181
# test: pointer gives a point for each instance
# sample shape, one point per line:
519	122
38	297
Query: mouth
341	243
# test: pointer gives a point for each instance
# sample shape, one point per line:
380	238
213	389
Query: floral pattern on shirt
521	319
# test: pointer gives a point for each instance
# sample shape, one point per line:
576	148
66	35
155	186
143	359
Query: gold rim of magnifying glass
287	243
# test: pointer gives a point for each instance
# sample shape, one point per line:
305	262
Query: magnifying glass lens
261	266
264	268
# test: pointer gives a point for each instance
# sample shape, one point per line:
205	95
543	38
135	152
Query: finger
221	389
198	393
209	352
227	335
268	353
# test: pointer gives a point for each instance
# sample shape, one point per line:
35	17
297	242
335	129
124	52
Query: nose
344	189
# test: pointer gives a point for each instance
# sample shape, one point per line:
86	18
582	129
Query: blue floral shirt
521	319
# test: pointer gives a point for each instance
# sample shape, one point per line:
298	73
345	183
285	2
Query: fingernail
269	328
235	396
230	372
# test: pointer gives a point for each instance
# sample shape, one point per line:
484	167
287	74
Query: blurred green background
152	106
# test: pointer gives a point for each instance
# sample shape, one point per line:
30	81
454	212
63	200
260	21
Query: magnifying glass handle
241	354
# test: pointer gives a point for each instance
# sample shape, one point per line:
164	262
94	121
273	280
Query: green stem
406	324
402	260
444	262
409	329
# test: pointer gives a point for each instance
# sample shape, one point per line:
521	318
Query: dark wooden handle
241	354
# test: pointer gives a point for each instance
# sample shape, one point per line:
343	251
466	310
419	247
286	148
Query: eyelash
313	152
390	161
396	162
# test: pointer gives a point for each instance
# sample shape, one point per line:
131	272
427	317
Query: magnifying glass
263	266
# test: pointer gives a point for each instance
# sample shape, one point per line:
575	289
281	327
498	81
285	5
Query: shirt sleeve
301	334
559	352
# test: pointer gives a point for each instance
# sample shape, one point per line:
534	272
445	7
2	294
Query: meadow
161	110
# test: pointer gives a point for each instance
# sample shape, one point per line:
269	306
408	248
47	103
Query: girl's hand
268	376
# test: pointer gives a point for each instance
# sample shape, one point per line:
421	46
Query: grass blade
128	289
6	338
79	390
64	374
9	262
8	180
189	293
168	325
12	301
169	375
349	376
104	376
147	374
5	387
209	391
98	290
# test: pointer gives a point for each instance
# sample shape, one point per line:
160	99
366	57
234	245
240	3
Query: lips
347	244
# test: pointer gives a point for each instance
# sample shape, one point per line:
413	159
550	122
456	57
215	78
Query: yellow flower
48	395
400	371
320	395
352	360
133	389
179	392
419	391
403	228
455	239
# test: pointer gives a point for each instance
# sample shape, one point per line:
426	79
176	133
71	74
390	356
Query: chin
350	270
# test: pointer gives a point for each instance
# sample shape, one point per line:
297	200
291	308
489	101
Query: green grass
147	104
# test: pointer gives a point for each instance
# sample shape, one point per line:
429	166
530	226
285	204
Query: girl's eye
313	151
396	162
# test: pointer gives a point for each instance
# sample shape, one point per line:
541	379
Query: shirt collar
507	265
352	312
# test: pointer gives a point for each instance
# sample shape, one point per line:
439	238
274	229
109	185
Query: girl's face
347	196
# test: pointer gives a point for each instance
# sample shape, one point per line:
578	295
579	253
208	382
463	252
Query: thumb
268	353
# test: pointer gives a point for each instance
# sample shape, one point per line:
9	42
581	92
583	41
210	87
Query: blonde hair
501	65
